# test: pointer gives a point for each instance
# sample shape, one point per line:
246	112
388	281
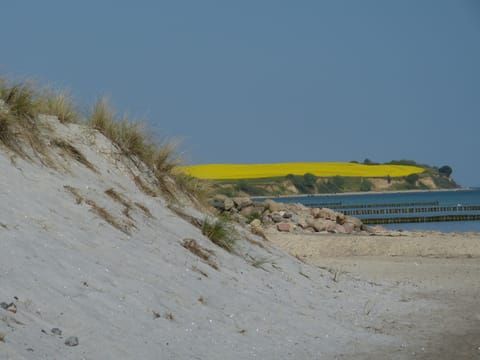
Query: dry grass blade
202	253
78	197
192	220
144	187
73	152
145	210
103	213
118	198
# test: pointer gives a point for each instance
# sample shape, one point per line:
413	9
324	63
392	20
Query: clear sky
268	80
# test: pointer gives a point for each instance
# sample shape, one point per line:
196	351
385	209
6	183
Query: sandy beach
438	276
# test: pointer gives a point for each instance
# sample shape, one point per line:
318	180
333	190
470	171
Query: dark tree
412	179
445	171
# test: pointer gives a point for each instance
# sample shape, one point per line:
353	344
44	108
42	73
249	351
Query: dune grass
59	104
134	141
129	136
21	104
28	100
320	169
17	115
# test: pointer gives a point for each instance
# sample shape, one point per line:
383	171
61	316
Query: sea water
415	203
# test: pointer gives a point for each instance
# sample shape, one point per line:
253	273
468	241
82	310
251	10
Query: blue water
404	204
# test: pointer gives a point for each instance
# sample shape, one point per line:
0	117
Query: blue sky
268	81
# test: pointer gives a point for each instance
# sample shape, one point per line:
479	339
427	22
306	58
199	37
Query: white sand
70	269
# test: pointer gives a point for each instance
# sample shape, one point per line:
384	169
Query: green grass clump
220	232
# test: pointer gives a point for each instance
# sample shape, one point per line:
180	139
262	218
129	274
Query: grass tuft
59	104
20	99
129	136
220	232
20	108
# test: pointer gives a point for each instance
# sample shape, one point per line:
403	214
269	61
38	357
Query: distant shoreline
361	193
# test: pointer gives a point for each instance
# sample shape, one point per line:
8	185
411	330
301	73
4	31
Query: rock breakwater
292	217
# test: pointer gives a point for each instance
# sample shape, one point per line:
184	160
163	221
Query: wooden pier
420	219
411	210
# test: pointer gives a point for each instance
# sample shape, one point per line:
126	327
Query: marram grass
320	169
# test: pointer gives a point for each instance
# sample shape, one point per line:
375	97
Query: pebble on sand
71	341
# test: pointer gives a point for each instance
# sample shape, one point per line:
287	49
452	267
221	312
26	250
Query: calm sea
402	205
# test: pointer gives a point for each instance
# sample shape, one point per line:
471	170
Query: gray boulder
223	202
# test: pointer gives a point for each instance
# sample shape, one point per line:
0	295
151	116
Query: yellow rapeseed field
320	169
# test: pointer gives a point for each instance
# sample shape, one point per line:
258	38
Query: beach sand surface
437	274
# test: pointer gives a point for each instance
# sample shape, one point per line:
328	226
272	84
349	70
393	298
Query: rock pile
293	217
